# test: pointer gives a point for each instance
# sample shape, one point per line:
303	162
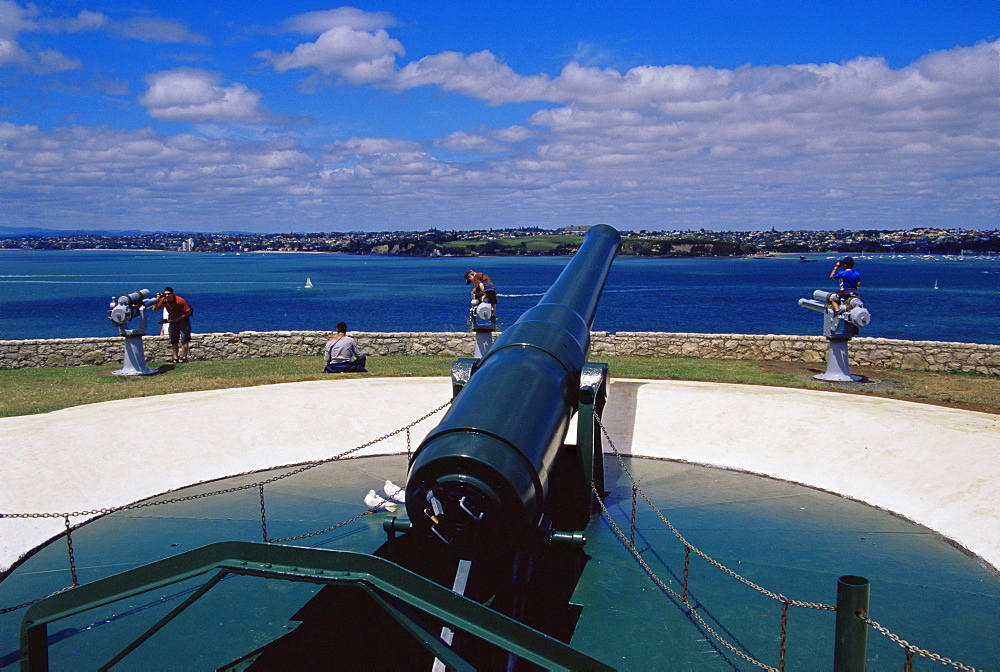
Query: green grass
541	244
29	391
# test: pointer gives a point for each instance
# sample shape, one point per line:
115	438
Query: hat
466	275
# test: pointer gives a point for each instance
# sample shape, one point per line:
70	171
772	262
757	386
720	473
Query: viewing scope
128	306
843	316
124	308
853	310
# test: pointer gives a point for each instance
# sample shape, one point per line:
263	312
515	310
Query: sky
299	116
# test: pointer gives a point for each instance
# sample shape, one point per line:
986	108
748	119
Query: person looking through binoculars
483	289
178	322
850	280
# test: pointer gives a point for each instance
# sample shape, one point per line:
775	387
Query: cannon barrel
482	475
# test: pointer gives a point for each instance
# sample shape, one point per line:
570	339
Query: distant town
530	241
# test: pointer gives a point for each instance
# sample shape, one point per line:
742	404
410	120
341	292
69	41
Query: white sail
309	282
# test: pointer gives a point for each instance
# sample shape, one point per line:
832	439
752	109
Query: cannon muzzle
482	475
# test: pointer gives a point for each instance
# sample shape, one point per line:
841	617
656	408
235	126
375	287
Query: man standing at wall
178	322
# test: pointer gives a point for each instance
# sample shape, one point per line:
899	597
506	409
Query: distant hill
19	231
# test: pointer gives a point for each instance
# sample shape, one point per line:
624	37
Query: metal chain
782	647
258	484
673	593
687	570
361	515
7	610
263	515
72	555
238	488
785	602
712	561
631	527
910	648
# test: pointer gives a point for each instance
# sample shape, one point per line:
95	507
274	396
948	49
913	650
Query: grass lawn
28	391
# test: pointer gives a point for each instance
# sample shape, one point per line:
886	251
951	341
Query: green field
29	391
531	244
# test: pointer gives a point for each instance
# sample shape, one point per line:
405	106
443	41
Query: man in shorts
178	322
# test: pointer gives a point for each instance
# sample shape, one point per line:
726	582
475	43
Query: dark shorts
357	366
179	332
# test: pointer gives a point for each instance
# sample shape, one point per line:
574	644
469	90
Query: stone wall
864	352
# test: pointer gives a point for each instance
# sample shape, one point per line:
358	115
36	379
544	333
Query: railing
379	577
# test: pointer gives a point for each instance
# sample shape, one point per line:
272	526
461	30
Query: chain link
782	647
785	602
263	516
187	498
238	488
694	549
673	593
72	555
361	515
910	648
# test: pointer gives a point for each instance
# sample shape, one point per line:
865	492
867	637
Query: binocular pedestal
484	325
124	308
135	358
837	365
484	340
842	318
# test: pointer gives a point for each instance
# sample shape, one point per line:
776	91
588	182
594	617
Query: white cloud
480	75
820	145
352	45
193	95
315	23
156	30
14	20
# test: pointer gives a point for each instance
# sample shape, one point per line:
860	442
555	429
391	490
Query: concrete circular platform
935	466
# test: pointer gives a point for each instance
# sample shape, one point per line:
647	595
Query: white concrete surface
936	466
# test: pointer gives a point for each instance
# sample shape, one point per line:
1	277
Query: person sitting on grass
338	352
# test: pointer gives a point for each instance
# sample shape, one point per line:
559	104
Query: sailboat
935	284
309	283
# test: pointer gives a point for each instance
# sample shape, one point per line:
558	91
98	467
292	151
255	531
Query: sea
66	293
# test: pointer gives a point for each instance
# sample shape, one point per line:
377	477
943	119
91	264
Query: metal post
850	652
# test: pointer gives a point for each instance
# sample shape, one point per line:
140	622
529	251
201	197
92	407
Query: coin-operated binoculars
125	308
842	318
481	319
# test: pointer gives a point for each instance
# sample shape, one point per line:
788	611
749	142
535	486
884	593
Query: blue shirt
849	278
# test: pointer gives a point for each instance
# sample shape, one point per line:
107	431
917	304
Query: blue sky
302	116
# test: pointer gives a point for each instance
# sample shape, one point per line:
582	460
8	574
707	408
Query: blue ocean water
57	294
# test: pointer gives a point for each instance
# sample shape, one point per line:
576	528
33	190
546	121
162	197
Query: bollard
850	652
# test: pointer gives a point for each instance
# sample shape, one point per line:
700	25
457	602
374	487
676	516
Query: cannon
123	309
483	475
840	325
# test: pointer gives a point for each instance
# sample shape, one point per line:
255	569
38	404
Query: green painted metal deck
791	540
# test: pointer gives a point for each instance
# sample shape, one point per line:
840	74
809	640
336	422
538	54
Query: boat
935	284
309	283
804	260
